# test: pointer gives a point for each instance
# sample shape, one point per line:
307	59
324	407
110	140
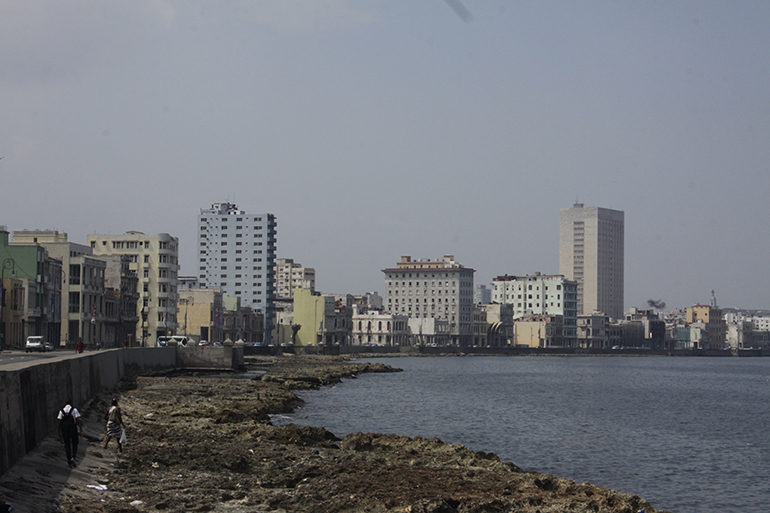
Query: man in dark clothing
4	506
70	429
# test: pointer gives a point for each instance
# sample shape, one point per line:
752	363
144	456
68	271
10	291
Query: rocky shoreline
203	442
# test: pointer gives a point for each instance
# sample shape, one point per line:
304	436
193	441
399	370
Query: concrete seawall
32	393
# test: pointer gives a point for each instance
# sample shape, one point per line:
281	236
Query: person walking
4	506
70	430
114	424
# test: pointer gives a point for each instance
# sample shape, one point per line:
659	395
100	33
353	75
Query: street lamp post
187	302
145	313
170	302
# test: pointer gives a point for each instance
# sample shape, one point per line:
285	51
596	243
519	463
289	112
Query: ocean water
686	434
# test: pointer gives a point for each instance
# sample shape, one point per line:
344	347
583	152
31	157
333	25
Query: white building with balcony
540	294
372	327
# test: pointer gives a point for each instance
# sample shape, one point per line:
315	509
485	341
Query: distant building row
115	290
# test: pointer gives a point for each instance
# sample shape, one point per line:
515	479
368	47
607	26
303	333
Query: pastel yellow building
322	318
201	314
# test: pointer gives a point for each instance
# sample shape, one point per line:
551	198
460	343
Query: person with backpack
70	430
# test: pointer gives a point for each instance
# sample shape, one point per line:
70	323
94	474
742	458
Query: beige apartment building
291	275
591	252
155	259
539	331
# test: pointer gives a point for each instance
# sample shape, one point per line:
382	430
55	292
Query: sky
379	129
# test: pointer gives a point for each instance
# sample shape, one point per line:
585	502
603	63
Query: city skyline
380	129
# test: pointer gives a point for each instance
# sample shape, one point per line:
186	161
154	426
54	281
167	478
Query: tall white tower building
591	252
236	253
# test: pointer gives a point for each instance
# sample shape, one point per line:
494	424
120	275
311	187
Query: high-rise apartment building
290	275
155	259
441	289
236	253
591	252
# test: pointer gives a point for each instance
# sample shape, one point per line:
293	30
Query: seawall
31	393
521	351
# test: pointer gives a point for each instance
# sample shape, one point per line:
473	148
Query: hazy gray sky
386	128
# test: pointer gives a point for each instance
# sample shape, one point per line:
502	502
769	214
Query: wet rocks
206	444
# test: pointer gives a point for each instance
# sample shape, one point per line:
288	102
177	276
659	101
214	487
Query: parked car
179	339
204	343
35	343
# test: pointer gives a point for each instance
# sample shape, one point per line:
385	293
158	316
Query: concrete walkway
42	478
